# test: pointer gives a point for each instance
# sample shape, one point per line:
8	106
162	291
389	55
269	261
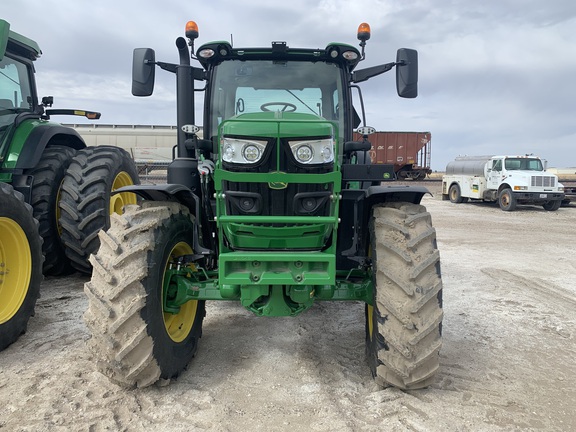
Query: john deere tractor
274	206
68	185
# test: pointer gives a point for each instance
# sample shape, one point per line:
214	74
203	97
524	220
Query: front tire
20	264
404	323
552	205
507	200
134	342
87	202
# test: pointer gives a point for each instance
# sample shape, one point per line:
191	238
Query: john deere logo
277	185
386	175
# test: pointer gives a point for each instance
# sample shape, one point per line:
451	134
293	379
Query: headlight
241	151
519	188
313	151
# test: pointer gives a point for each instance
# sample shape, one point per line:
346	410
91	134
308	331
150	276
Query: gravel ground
507	362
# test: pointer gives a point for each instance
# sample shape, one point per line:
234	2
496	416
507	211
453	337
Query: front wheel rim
178	326
15	268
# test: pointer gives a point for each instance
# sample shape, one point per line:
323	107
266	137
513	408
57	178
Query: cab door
495	174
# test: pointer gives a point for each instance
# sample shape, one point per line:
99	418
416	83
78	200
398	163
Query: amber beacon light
191	30
364	32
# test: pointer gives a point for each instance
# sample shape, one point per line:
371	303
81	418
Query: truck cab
509	180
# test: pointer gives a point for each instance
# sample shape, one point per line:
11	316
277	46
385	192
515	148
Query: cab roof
215	52
13	42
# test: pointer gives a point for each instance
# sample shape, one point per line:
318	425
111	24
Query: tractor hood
278	124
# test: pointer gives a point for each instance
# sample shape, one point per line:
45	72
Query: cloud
495	77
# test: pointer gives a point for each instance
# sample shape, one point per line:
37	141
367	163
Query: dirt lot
507	362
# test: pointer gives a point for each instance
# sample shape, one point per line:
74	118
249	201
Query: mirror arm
170	67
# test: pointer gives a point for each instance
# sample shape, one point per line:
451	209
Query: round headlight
251	153
228	153
327	154
304	153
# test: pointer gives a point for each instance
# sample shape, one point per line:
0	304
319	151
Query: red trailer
409	152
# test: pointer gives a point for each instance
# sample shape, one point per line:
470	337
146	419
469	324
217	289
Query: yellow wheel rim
370	309
118	201
178	326
370	322
15	268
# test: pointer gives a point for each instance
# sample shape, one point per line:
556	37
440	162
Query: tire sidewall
56	261
552	205
455	194
172	357
511	200
120	163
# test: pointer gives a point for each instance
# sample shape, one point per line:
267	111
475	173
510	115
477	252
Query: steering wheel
286	105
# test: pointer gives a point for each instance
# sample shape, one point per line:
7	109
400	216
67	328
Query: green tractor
20	264
274	206
68	184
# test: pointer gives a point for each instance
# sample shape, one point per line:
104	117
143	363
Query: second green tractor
273	206
47	166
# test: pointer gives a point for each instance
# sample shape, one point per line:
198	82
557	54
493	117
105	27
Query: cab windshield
256	86
524	164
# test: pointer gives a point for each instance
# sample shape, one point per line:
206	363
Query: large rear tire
134	342
87	202
20	264
48	177
404	323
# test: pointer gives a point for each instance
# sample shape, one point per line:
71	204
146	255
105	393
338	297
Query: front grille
293	200
543	181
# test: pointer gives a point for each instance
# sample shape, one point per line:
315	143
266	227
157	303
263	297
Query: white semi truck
510	180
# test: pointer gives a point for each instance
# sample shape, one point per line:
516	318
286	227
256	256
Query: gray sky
496	77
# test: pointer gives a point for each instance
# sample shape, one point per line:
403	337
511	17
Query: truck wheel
87	202
552	205
455	194
507	200
48	177
404	323
20	264
134	341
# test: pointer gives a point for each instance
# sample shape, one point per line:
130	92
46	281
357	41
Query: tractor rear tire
48	177
133	341
86	200
404	323
20	264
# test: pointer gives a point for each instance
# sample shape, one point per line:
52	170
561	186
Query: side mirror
407	73
143	71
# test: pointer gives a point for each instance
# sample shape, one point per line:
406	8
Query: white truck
510	180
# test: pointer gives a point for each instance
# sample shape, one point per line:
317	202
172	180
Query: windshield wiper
302	102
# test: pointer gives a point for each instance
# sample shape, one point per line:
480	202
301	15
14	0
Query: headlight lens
242	151
313	151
